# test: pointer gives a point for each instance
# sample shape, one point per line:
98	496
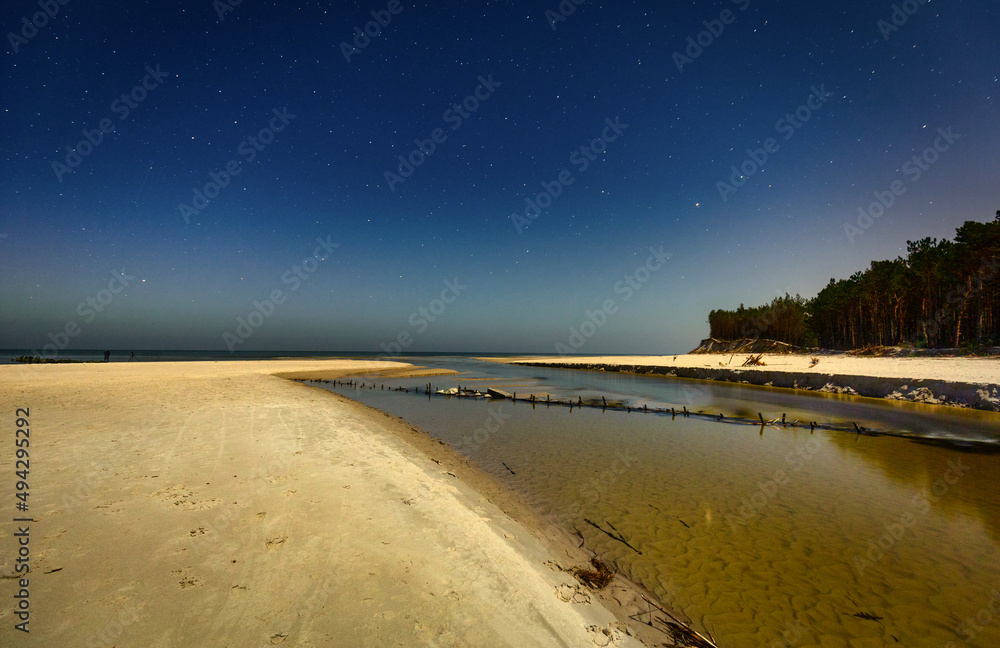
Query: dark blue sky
269	92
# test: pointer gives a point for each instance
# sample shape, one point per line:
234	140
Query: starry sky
472	176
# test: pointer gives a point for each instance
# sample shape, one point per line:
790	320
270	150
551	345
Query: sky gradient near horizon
335	244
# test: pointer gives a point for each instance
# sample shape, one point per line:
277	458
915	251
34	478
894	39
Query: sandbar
219	504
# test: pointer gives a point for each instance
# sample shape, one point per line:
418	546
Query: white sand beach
216	504
961	381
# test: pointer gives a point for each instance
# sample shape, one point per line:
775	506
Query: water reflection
836	539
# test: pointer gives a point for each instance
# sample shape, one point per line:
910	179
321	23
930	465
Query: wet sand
215	503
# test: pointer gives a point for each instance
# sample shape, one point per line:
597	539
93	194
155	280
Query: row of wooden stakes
604	404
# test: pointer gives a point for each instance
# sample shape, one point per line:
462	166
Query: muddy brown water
769	536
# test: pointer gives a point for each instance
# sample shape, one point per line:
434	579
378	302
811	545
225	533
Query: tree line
943	294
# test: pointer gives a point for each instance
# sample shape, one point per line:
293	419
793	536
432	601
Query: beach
959	381
222	504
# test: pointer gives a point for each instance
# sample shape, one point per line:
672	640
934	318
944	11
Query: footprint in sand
278	638
276	542
182	497
188	581
197	532
610	635
572	593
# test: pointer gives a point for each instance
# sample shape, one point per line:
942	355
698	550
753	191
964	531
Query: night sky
609	119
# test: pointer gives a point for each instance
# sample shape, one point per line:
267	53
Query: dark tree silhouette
942	294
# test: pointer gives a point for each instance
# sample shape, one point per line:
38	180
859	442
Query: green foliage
784	319
942	294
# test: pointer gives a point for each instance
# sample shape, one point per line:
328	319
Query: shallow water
762	537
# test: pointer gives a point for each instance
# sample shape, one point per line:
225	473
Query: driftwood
681	634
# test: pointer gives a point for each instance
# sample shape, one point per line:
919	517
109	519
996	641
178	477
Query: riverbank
960	382
217	503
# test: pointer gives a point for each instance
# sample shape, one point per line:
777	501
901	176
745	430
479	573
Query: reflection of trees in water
927	468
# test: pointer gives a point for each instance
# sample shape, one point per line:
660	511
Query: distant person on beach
107	354
132	357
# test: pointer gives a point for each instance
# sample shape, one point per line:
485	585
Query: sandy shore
217	504
964	382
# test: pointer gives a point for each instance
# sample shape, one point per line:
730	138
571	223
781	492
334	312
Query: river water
761	535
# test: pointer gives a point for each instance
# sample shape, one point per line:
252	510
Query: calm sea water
770	536
146	355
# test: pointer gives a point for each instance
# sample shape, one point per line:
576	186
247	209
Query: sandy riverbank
963	382
215	504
